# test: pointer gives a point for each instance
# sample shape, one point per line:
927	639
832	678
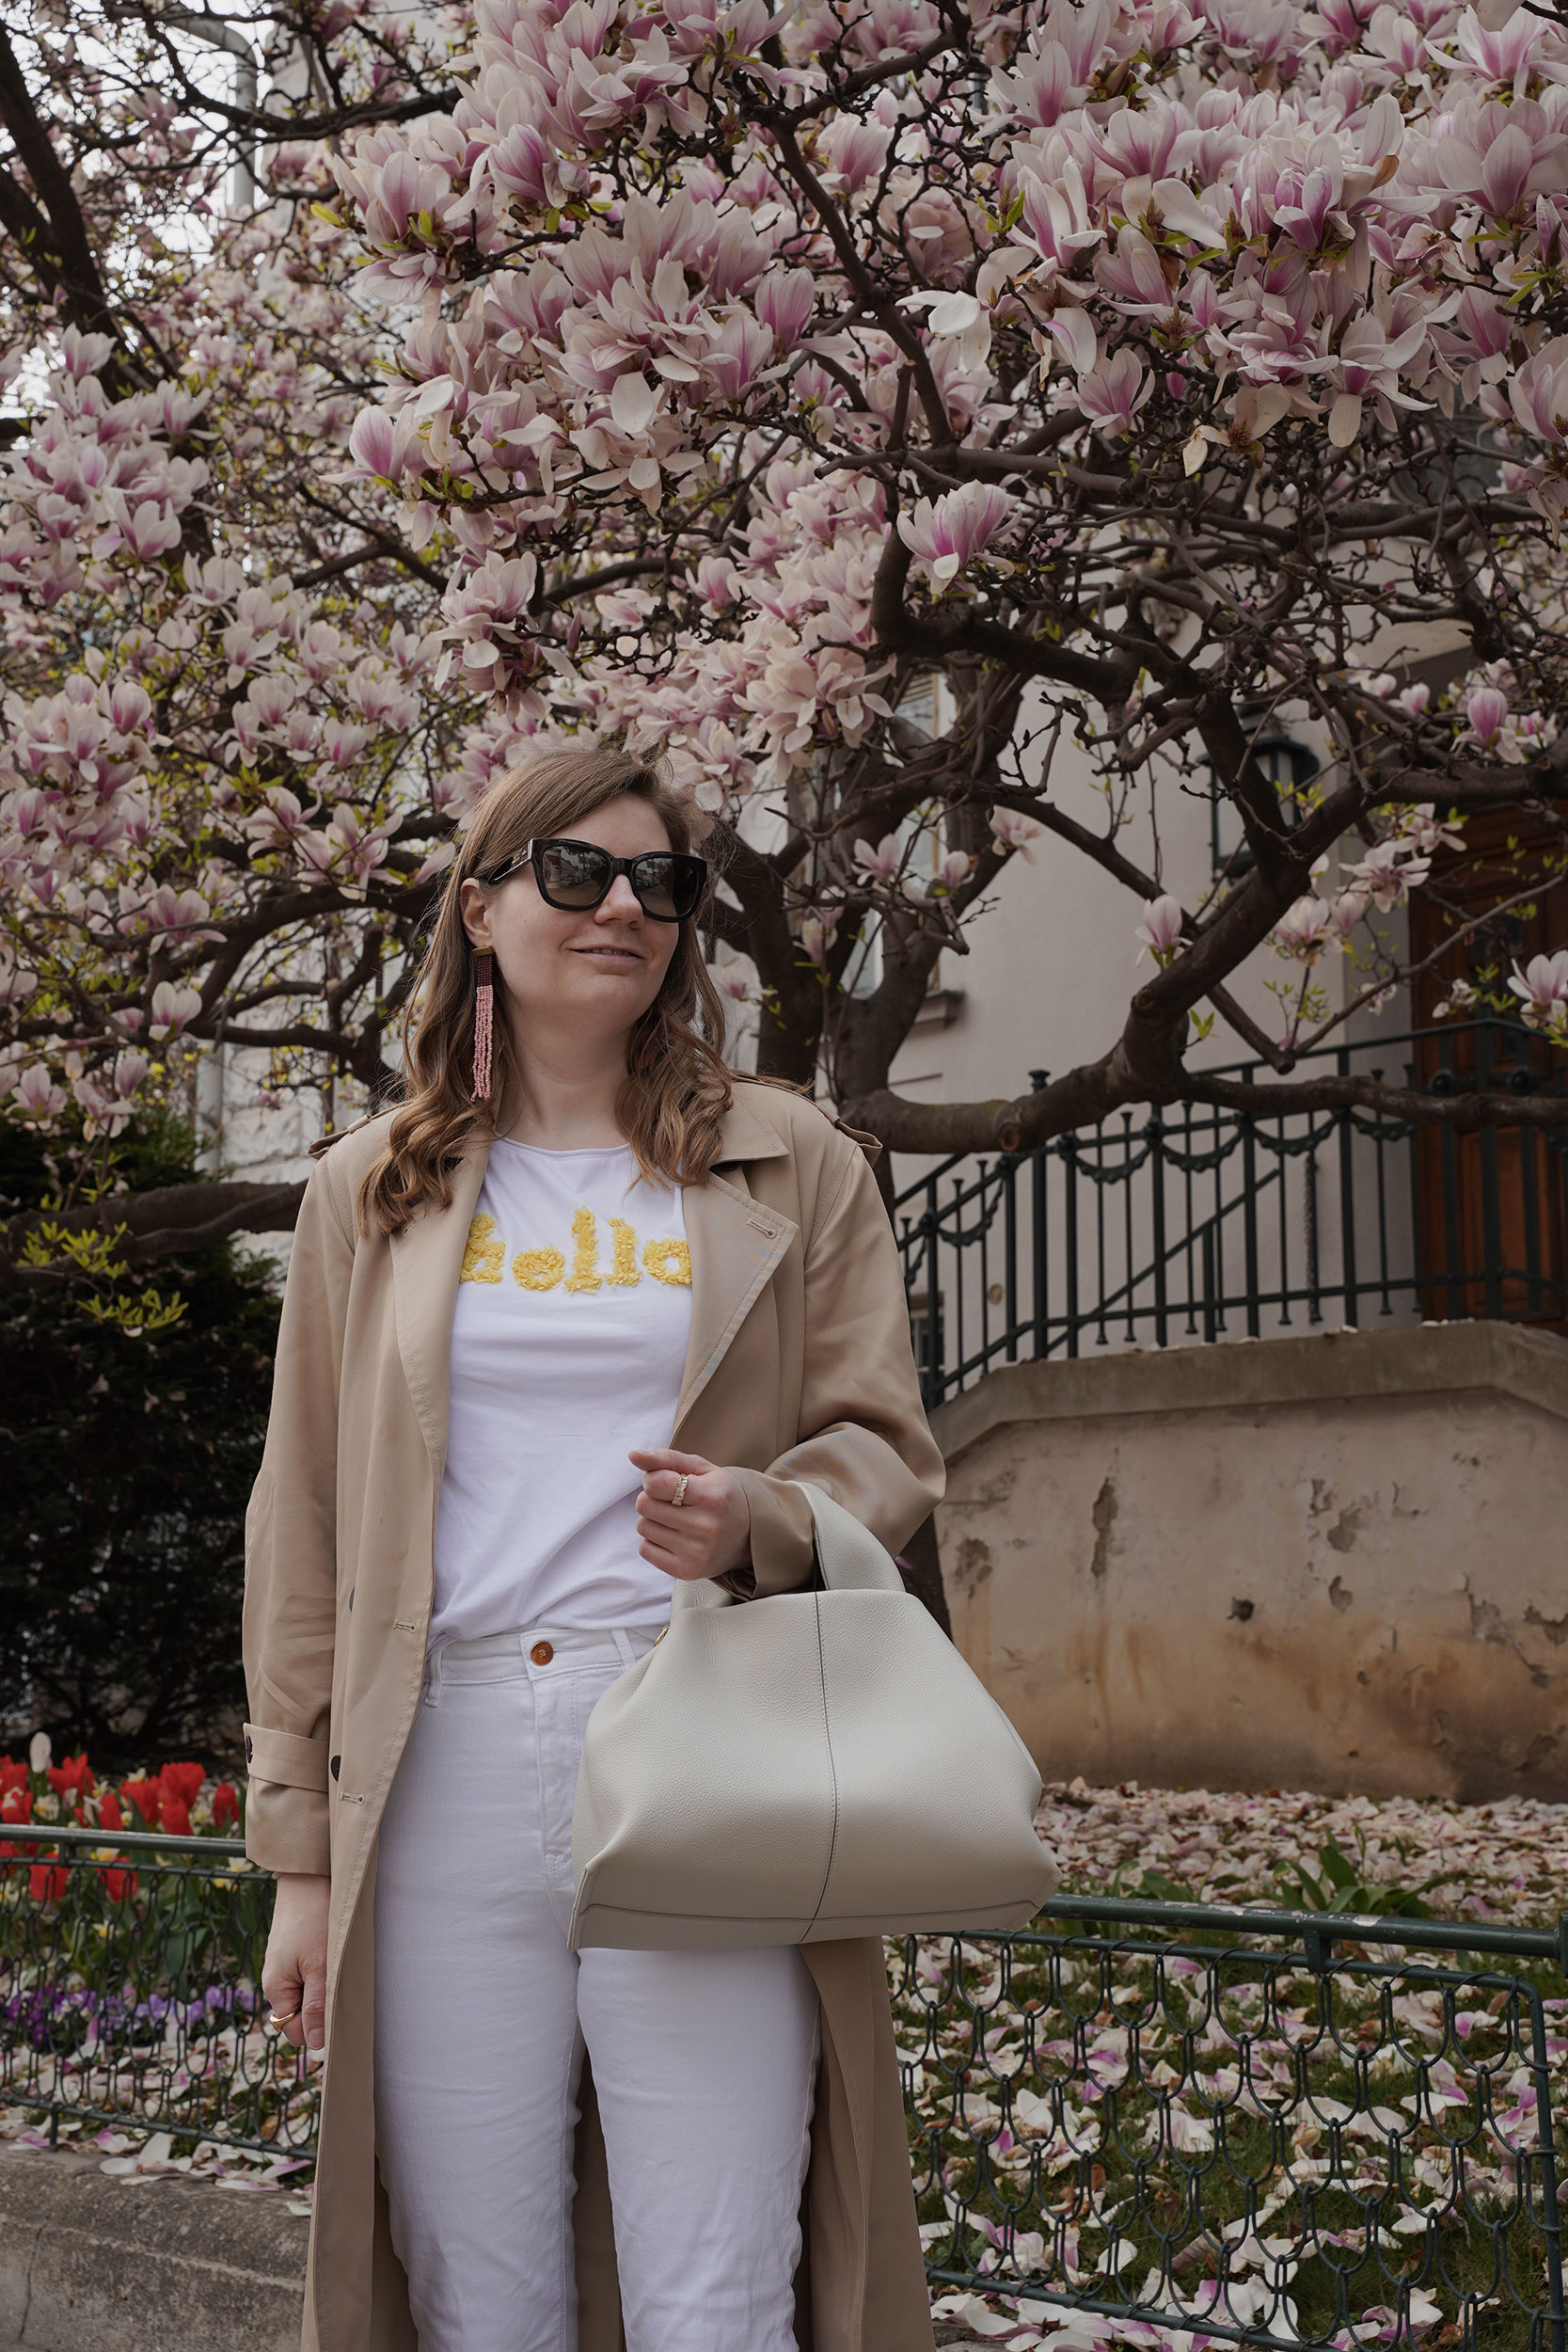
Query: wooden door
1491	1206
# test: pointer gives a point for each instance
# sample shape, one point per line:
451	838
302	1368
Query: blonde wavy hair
676	1089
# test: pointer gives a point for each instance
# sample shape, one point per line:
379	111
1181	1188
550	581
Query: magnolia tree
1142	371
1141	368
227	785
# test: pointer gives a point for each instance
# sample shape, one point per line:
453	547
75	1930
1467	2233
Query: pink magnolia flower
1488	725
1388	872
173	1008
176	914
1300	929
817	933
949	531
1370	363
1500	154
1504	55
881	863
1014	832
1113	392
37	1093
1427	833
1542	988
1159	932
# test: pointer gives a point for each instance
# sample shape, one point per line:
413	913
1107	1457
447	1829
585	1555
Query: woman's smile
605	952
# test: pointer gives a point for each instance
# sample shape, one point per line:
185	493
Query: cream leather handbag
811	1765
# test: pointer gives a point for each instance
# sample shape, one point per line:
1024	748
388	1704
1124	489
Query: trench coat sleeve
291	1547
865	1438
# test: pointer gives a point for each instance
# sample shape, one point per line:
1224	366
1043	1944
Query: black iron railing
1202	1224
130	1990
1268	2127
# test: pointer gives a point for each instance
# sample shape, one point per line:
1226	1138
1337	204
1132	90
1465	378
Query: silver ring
679	1495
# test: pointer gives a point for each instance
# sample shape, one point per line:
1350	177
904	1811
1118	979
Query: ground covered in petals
1506	1861
1353	2161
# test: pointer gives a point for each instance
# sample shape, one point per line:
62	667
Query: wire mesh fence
130	1991
1244	2126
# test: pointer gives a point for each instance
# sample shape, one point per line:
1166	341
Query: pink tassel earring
484	1022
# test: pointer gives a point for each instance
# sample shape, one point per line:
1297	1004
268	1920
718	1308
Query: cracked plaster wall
1357	1591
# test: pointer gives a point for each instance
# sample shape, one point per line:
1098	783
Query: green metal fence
1139	2121
130	1990
1268	2127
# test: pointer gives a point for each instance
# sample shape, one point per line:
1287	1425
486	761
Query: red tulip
47	1882
146	1796
74	1775
183	1781
226	1804
177	1816
109	1814
119	1883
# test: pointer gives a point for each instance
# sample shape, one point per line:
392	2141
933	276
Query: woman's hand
293	1974
708	1532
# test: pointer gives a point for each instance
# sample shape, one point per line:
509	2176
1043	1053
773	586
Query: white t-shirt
568	1345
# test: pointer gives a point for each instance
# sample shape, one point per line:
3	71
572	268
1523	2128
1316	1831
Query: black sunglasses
574	876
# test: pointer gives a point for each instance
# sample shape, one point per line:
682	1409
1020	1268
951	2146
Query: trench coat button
337	1766
541	1653
249	1747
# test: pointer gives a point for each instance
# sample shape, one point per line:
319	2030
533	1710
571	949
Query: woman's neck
566	1098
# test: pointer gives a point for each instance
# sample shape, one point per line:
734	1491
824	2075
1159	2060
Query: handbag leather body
801	1767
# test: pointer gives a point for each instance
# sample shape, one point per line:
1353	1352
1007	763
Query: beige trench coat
798	1366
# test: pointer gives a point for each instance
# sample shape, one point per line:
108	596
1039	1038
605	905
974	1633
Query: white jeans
703	2062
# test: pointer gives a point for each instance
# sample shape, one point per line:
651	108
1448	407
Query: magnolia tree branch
1094	1091
174	1221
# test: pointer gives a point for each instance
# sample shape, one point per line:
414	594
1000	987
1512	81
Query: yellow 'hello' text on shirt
544	1270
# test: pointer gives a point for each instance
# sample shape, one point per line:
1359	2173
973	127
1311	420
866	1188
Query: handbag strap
848	1555
850	1558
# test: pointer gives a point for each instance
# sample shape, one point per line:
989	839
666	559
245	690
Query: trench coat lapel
736	1244
427	1258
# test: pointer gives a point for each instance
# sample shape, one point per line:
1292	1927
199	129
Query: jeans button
541	1653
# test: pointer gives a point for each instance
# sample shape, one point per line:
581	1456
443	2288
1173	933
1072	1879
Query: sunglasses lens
575	873
667	884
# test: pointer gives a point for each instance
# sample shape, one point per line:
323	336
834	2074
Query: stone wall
1335	1563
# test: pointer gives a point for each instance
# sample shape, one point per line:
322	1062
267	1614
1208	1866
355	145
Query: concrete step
89	2263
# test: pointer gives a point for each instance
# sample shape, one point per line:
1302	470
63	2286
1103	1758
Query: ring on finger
678	1498
281	2017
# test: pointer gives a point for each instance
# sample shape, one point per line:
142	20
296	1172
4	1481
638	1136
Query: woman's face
587	975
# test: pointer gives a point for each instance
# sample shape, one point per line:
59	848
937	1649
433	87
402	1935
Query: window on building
1290	768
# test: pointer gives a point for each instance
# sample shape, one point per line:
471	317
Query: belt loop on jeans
623	1642
432	1693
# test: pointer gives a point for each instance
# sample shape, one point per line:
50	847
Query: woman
561	1329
